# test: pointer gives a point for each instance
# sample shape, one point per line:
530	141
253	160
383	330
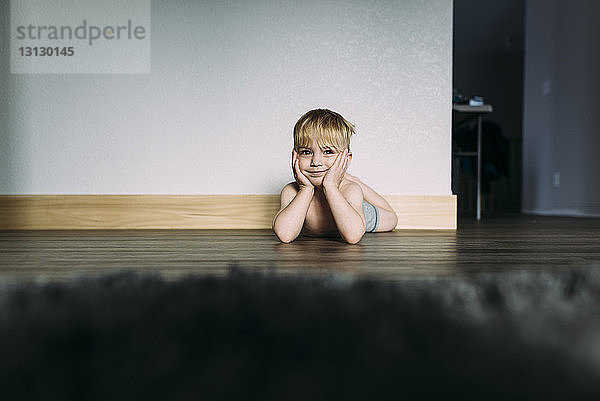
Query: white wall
562	126
229	79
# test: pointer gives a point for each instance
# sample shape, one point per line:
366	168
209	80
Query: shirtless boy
325	200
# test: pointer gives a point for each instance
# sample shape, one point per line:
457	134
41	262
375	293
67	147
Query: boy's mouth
317	172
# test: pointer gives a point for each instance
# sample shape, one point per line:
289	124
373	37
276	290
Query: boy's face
314	161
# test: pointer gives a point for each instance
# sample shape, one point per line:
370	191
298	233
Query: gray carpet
125	336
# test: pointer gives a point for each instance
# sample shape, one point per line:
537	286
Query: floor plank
494	245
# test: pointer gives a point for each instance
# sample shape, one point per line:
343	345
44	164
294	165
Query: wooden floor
493	245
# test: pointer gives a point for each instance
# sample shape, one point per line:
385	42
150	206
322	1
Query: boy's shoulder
289	187
351	190
348	185
288	193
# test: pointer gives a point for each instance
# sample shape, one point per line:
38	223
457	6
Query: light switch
546	87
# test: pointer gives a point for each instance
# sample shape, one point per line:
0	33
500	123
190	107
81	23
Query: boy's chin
317	181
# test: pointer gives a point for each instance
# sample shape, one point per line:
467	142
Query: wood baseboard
426	212
83	212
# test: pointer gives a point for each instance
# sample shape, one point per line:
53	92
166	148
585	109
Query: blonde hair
325	127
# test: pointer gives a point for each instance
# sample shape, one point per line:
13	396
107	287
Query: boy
325	200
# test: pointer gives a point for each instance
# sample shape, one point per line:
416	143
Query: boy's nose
314	162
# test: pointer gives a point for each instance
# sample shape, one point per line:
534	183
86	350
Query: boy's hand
300	178
333	177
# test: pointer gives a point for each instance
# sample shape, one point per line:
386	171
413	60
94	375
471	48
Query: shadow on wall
5	139
8	142
6	88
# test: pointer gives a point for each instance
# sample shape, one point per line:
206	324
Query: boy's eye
328	150
305	152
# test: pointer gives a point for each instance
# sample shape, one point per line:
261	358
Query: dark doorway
488	59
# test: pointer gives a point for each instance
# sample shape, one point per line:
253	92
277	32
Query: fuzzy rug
504	336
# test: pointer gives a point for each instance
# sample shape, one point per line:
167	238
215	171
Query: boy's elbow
285	240
282	232
283	237
354	239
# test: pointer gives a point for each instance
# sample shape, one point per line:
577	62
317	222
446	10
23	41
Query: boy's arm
347	208
289	220
370	195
